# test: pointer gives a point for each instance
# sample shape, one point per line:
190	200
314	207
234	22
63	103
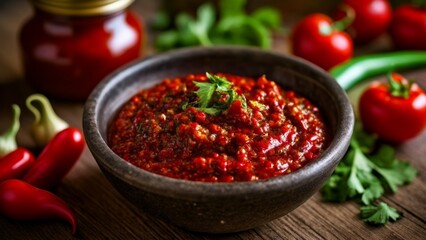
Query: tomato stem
344	23
398	85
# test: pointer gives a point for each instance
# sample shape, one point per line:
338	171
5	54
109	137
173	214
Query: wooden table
103	214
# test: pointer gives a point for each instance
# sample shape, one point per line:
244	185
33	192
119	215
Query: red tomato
315	39
371	18
408	28
393	118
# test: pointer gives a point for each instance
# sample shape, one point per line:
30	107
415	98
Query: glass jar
69	46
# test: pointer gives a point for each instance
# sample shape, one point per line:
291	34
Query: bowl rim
172	187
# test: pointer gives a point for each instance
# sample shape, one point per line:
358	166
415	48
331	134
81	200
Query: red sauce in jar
278	133
68	47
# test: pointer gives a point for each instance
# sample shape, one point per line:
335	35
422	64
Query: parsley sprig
379	214
229	24
365	173
215	96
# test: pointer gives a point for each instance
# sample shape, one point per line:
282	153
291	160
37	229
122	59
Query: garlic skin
8	139
46	123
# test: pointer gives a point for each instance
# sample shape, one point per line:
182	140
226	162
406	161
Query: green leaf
364	174
210	93
183	20
162	20
392	171
243	28
179	37
358	163
260	34
230	25
366	142
373	189
202	25
398	175
361	161
231	8
205	92
268	17
392	180
354	182
222	84
335	189
186	36
378	215
405	169
227	25
385	156
167	40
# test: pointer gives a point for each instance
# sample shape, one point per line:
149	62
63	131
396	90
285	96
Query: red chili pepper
56	159
21	201
15	164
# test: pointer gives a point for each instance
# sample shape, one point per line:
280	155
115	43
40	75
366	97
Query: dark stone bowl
217	207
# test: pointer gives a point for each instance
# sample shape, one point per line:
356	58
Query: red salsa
266	132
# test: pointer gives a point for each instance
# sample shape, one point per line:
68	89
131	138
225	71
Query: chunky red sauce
278	133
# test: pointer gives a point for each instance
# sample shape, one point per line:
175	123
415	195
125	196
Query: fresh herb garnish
378	215
215	96
230	25
365	175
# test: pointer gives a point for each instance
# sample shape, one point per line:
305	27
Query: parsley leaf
222	83
378	215
368	169
201	26
230	24
393	172
211	95
268	16
205	92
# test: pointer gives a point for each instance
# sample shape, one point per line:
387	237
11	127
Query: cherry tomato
395	111
408	28
371	18
316	39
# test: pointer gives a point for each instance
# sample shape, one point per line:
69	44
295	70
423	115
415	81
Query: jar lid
81	7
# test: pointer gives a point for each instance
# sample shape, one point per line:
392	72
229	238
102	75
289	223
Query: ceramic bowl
217	207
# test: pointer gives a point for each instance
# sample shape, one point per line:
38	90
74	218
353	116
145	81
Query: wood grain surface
103	214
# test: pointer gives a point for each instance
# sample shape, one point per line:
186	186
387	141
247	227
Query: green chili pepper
358	69
46	123
8	138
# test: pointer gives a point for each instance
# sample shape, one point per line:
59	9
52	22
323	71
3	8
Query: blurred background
13	13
